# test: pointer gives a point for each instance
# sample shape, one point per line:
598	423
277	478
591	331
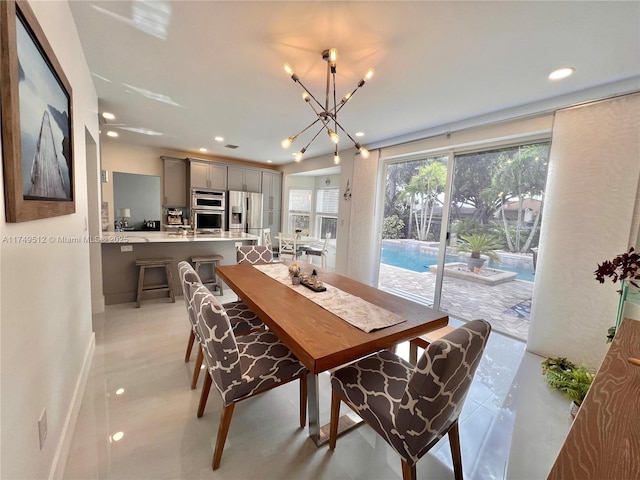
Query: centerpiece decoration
572	381
294	273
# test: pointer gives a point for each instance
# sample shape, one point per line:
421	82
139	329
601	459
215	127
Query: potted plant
477	245
572	381
625	266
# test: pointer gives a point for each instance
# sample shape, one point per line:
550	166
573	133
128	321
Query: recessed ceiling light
561	73
120	391
203	150
111	133
359	134
219	139
108	116
269	161
117	436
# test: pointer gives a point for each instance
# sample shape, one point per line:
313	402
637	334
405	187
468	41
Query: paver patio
505	306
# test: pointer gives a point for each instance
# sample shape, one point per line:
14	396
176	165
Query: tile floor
512	425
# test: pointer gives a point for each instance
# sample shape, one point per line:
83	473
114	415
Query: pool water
419	261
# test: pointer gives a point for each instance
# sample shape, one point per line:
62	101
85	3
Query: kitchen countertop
170	237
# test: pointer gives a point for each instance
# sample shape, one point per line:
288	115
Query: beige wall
46	335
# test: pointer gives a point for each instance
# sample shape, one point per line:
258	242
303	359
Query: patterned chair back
218	341
254	254
438	387
188	278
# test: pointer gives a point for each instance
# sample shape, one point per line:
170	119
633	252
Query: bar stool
212	283
143	264
423	341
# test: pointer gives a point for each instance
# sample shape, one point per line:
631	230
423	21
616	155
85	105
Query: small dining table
320	339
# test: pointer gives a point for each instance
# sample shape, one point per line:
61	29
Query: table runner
354	310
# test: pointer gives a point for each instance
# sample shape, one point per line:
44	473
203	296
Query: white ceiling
192	70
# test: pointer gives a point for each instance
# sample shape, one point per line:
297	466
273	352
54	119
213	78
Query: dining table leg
320	434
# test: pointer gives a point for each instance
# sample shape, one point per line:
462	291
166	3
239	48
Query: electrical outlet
126	248
42	427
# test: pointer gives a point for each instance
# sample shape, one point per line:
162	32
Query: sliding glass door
412	225
472	255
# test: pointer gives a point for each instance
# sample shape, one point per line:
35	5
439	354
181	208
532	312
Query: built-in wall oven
208	210
208	199
208	220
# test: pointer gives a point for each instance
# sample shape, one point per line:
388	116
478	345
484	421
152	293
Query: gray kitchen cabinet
271	219
174	179
272	190
203	174
244	179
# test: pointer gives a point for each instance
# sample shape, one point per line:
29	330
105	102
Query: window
327	211
299	209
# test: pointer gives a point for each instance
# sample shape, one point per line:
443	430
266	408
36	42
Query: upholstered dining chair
412	408
254	254
242	319
241	367
320	252
288	246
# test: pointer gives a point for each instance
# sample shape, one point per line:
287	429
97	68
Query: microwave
208	220
208	199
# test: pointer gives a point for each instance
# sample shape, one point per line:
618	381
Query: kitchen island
121	249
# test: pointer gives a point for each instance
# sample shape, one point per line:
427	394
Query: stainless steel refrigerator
245	212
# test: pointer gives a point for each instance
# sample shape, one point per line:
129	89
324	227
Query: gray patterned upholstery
242	319
254	254
413	408
241	367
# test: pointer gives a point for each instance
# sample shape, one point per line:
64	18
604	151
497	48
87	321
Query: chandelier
326	114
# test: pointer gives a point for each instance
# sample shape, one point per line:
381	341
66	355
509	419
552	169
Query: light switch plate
126	248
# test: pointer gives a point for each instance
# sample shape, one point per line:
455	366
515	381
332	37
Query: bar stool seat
145	263
212	283
423	341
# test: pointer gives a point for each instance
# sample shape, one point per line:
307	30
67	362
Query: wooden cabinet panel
175	182
199	174
217	176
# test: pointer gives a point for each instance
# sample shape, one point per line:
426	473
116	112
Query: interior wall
46	338
593	181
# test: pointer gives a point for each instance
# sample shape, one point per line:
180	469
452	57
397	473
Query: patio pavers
504	305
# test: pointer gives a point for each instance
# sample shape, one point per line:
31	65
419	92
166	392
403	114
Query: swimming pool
410	257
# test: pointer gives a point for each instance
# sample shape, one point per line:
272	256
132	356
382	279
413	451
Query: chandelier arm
310	94
335	110
346	133
307	127
314	137
342	104
320	117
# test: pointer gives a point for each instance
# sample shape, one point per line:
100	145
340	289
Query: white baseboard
66	436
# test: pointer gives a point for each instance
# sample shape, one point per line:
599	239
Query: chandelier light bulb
369	74
288	69
346	98
306	97
336	159
297	157
335	138
286	143
363	151
333	55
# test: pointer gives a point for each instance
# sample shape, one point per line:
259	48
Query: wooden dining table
320	339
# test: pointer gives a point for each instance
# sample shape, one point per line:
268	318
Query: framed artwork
37	125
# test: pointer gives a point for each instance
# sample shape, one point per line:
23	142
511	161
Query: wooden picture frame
37	126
